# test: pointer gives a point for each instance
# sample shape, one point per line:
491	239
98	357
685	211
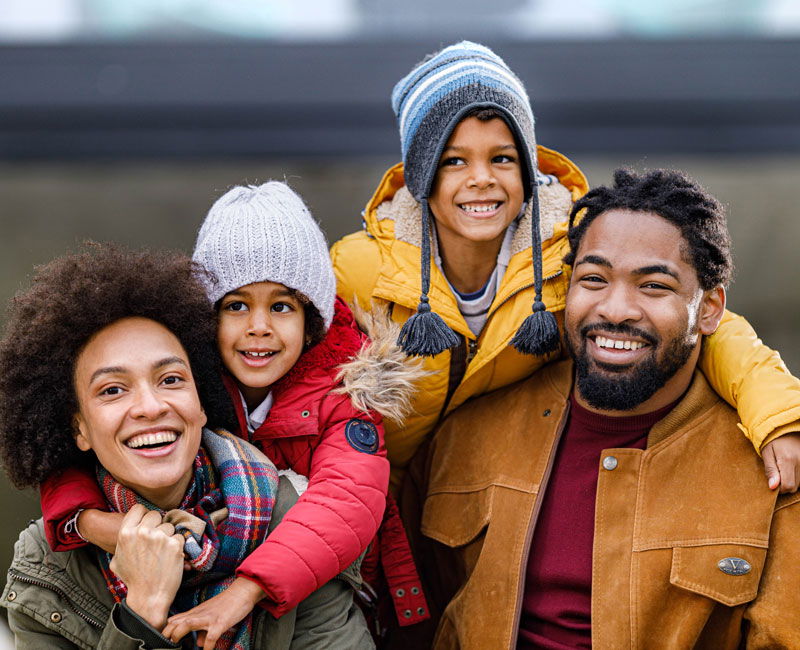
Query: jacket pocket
727	573
457	518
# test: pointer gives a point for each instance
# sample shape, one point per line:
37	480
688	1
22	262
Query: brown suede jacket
666	517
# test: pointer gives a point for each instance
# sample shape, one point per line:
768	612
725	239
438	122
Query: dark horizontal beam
273	99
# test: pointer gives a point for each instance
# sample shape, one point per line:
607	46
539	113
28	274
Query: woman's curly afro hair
678	199
72	298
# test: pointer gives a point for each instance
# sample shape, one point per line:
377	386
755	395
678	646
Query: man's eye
235	306
656	285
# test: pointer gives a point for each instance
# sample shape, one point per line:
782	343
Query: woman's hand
782	462
149	560
216	615
100	528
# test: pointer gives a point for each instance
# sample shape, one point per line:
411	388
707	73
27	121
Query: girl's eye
282	307
237	305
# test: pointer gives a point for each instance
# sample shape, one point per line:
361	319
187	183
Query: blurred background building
125	120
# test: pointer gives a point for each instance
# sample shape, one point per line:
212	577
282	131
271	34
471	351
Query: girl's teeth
258	354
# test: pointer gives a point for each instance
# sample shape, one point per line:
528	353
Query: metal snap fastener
55	617
11	595
610	463
421	611
400	593
546	412
305	414
415	590
407	613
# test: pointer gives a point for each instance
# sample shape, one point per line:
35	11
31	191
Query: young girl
283	337
475	219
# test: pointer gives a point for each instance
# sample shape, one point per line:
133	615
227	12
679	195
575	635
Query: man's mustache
619	328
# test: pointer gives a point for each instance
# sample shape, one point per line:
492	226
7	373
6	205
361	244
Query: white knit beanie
265	234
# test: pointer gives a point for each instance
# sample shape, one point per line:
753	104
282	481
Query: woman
110	359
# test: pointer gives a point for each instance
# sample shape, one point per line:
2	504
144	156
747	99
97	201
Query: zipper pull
472	349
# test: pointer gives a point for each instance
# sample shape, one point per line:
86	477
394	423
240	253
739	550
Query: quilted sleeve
61	496
752	378
337	517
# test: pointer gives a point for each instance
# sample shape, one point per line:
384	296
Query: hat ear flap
425	334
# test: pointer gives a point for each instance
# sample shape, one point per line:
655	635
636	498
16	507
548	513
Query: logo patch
362	435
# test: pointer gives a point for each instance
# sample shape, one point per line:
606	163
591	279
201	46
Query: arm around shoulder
752	378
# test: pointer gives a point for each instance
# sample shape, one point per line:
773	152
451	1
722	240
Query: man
610	501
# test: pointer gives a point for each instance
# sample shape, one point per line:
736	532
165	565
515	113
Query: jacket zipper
537	506
462	355
46	585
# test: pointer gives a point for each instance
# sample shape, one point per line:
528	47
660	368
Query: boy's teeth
467	207
151	439
603	342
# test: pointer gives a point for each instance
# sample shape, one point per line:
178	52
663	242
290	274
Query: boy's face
478	190
261	336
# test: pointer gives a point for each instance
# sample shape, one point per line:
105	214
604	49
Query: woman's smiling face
138	408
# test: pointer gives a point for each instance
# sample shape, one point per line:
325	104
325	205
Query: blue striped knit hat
429	102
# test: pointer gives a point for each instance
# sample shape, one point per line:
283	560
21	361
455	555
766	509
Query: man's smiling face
635	313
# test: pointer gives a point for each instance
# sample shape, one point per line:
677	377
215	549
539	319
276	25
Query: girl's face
261	336
478	190
138	408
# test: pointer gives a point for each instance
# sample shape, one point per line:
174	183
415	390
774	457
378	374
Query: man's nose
619	305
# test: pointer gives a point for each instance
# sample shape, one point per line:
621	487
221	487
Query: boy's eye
452	162
503	158
236	305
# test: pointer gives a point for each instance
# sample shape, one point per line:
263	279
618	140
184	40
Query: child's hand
216	615
782	462
100	528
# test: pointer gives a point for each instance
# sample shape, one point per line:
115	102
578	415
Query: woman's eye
172	380
237	305
111	391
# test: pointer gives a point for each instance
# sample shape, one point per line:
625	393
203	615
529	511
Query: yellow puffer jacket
381	266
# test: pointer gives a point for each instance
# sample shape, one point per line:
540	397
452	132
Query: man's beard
611	387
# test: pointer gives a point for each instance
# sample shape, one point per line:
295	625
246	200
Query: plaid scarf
223	517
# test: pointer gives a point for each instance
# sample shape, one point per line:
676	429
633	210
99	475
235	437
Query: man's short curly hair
72	298
678	199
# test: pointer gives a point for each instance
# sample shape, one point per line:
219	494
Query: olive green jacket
60	600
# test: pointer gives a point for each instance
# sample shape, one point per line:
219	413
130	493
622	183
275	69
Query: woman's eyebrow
110	370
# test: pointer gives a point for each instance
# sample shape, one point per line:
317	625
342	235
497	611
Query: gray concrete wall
48	208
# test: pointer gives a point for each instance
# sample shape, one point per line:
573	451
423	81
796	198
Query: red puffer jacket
315	429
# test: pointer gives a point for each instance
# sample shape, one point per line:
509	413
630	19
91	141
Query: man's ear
711	310
79	431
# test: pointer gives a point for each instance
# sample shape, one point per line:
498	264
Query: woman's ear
79	432
711	310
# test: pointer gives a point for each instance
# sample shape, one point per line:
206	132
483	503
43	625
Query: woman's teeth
483	207
603	342
149	439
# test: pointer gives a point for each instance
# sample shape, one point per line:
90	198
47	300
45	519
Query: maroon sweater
556	606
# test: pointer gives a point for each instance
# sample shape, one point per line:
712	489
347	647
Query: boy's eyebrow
457	148
110	370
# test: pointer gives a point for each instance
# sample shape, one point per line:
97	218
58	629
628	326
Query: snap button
415	590
610	463
305	414
546	412
11	595
400	593
734	566
420	611
407	613
55	617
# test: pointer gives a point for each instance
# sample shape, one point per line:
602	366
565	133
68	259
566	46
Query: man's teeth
259	354
603	342
152	439
483	207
